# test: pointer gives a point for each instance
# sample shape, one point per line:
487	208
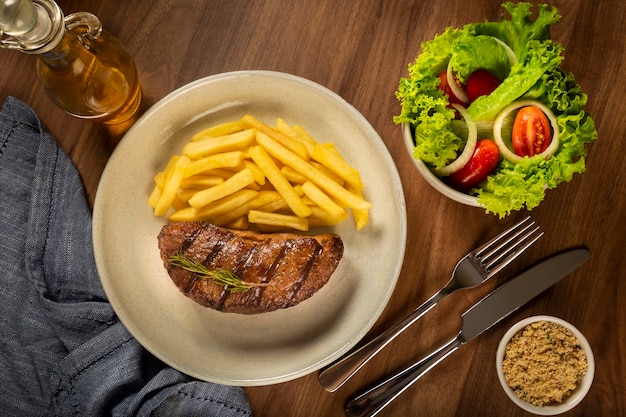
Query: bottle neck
81	33
31	26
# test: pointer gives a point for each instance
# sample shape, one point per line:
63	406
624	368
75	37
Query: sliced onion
458	91
468	151
497	130
509	52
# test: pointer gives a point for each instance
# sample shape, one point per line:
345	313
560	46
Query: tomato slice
481	83
484	160
445	87
531	132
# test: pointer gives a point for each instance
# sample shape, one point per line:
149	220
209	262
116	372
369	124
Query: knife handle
335	375
370	402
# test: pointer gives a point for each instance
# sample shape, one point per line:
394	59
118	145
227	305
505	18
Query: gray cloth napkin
62	349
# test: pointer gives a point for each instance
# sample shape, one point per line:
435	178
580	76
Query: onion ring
497	130
458	91
509	52
468	151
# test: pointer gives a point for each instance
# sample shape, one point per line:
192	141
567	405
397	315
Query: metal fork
473	269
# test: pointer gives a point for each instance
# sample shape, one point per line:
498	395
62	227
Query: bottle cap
31	26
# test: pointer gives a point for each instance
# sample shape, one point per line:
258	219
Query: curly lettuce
537	75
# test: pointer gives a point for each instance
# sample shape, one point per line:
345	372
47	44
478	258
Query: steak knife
497	305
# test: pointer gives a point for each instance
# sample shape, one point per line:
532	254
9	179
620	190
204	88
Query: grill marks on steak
293	266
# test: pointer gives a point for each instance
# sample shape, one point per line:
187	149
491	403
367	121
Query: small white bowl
431	178
580	391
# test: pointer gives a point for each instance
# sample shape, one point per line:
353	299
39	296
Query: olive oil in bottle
84	70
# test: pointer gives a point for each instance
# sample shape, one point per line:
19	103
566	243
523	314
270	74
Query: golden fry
304	135
259	177
361	217
292	175
289	143
199	182
281	220
232	142
222	172
318	197
322	218
186	193
159	181
328	156
154	196
179	203
221	129
208	163
261	199
241	223
326	171
286	130
215	209
278	180
273	206
329	186
170	187
235	183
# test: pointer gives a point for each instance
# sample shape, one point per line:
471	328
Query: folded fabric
63	351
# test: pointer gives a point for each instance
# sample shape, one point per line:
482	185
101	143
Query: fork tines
508	245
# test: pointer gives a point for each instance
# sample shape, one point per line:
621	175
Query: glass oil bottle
84	70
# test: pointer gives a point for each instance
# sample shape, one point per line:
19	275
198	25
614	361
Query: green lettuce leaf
521	28
425	106
471	53
542	57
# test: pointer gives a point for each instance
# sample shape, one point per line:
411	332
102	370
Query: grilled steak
293	267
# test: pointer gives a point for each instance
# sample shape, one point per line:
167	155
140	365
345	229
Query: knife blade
483	315
507	298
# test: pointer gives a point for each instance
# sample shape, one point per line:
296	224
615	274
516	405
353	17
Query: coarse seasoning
543	363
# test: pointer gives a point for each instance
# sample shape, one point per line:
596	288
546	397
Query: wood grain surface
360	50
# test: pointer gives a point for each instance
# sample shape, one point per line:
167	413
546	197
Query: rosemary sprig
220	276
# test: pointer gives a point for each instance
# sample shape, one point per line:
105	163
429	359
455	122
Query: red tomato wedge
485	159
481	83
447	90
531	132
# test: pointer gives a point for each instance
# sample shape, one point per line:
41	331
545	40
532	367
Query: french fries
209	146
328	156
237	182
245	172
171	184
277	219
278	180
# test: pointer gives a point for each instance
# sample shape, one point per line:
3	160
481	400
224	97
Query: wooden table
360	49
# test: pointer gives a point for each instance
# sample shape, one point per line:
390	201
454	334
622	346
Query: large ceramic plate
231	348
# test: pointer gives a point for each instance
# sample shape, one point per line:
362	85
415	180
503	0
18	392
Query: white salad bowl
581	390
433	179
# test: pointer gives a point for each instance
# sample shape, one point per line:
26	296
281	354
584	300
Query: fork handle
370	402
336	374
